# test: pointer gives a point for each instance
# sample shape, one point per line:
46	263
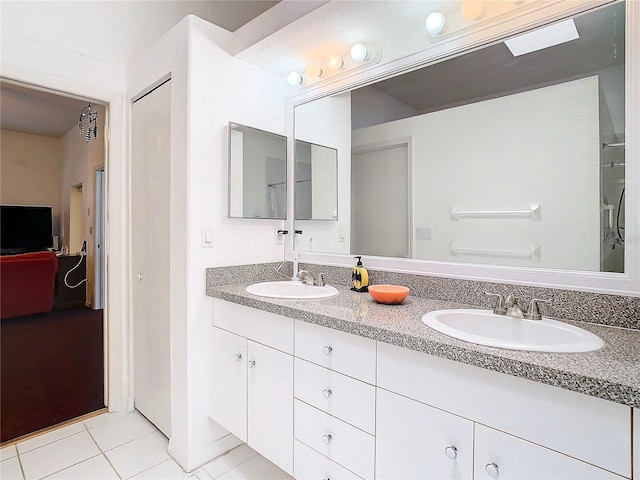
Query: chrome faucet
533	313
513	309
499	309
320	282
305	277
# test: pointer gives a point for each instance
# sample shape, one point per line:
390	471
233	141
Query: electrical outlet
278	236
423	233
342	235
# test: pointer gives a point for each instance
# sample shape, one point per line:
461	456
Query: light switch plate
207	236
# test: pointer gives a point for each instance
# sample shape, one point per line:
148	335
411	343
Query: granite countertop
612	373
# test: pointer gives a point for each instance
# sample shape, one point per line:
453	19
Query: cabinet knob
251	363
326	393
451	452
139	276
327	350
326	439
492	470
238	357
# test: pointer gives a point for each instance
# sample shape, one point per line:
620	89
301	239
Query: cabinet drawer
591	429
514	458
310	465
415	441
344	397
267	328
344	444
345	353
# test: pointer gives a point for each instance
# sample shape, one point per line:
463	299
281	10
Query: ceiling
41	113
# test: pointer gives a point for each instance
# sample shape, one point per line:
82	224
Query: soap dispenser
360	277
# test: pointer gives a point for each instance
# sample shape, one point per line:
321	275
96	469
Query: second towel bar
533	213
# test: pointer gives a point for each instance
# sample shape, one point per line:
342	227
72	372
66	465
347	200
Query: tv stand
65	297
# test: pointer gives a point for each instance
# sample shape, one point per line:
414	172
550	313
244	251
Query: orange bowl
388	294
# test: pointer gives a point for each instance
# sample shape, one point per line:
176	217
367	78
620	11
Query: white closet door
380	202
150	170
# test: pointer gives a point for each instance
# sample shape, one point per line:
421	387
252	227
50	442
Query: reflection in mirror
316	193
257	173
488	157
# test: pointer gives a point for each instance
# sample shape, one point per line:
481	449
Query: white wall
209	88
464	161
31	167
221	89
327	122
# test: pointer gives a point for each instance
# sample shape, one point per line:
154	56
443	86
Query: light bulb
334	62
435	23
359	52
472	9
294	79
314	70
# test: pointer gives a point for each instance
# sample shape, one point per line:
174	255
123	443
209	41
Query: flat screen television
25	229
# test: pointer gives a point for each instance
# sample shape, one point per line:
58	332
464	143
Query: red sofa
26	283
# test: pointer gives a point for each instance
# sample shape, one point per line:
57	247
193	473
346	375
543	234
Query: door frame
386	145
116	313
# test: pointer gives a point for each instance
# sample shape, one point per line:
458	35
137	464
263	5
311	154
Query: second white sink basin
291	290
486	328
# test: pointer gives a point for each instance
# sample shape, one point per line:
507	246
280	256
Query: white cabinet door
229	380
499	455
270	412
416	441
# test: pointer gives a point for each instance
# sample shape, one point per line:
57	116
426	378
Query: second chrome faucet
510	307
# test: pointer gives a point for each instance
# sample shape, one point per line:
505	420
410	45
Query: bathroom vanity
346	388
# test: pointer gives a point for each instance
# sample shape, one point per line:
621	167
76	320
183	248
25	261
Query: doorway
381	172
53	364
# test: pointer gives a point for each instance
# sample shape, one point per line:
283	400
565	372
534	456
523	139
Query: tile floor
120	446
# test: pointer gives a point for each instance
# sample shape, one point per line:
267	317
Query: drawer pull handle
451	452
327	350
251	363
326	439
492	470
238	357
326	393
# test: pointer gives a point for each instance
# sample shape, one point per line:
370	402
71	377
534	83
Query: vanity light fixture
472	9
542	38
361	53
334	62
435	22
294	79
314	70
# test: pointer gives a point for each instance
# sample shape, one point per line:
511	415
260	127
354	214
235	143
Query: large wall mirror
492	157
257	173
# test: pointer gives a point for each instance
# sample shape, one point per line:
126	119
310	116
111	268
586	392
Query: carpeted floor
51	369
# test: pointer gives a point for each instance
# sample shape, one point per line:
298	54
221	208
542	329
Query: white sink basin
486	328
292	290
